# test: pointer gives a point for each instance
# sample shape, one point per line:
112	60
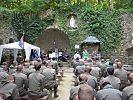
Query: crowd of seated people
95	79
100	79
32	79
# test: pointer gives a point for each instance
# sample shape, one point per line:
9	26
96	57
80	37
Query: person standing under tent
34	55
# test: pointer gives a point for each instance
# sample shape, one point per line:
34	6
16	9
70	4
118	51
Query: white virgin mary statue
72	22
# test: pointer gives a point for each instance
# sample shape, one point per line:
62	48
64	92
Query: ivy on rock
32	26
106	25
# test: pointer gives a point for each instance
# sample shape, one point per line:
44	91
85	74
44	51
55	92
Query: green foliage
95	17
5	17
32	26
106	25
4	57
39	6
74	36
123	4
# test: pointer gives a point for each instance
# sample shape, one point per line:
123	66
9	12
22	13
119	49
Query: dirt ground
65	86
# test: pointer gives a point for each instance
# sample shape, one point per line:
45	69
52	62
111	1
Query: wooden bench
43	98
28	98
57	80
61	72
25	97
59	77
75	77
50	95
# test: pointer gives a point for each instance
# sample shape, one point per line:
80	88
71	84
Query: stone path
65	85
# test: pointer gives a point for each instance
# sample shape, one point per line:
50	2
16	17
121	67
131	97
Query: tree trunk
68	1
109	3
99	2
112	3
78	2
120	3
74	2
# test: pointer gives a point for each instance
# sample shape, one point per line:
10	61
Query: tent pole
23	51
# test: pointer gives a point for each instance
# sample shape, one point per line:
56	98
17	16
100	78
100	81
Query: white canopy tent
16	47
